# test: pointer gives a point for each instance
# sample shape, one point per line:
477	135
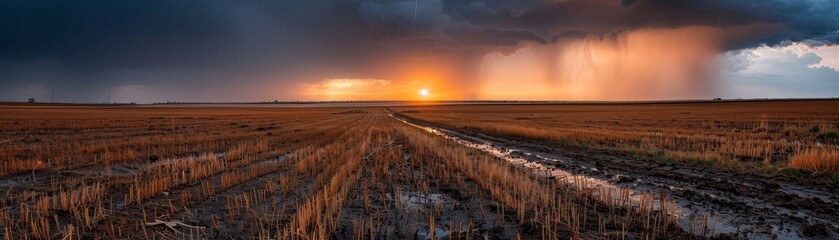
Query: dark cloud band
86	38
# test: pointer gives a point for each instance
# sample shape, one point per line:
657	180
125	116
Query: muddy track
746	205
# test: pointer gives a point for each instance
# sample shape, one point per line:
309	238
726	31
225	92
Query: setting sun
423	92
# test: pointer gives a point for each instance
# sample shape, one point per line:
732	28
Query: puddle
413	201
438	233
416	200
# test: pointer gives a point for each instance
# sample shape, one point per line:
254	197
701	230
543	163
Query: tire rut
748	206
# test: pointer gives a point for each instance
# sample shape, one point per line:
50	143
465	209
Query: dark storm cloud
763	21
626	3
92	34
493	37
84	44
800	20
97	42
97	33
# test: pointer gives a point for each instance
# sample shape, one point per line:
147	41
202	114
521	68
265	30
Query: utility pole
109	97
52	99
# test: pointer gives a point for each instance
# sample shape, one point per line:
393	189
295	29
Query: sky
322	50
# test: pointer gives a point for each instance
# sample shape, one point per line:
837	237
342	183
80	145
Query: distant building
717	99
31	100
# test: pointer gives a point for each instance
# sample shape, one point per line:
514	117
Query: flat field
727	170
764	168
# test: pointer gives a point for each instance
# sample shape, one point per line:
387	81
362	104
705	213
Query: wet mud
738	205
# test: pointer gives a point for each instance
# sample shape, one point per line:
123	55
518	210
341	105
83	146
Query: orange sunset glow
366	50
410	80
632	65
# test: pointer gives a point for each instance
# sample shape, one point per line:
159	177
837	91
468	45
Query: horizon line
430	102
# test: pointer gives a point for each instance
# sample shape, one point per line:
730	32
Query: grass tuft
817	160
